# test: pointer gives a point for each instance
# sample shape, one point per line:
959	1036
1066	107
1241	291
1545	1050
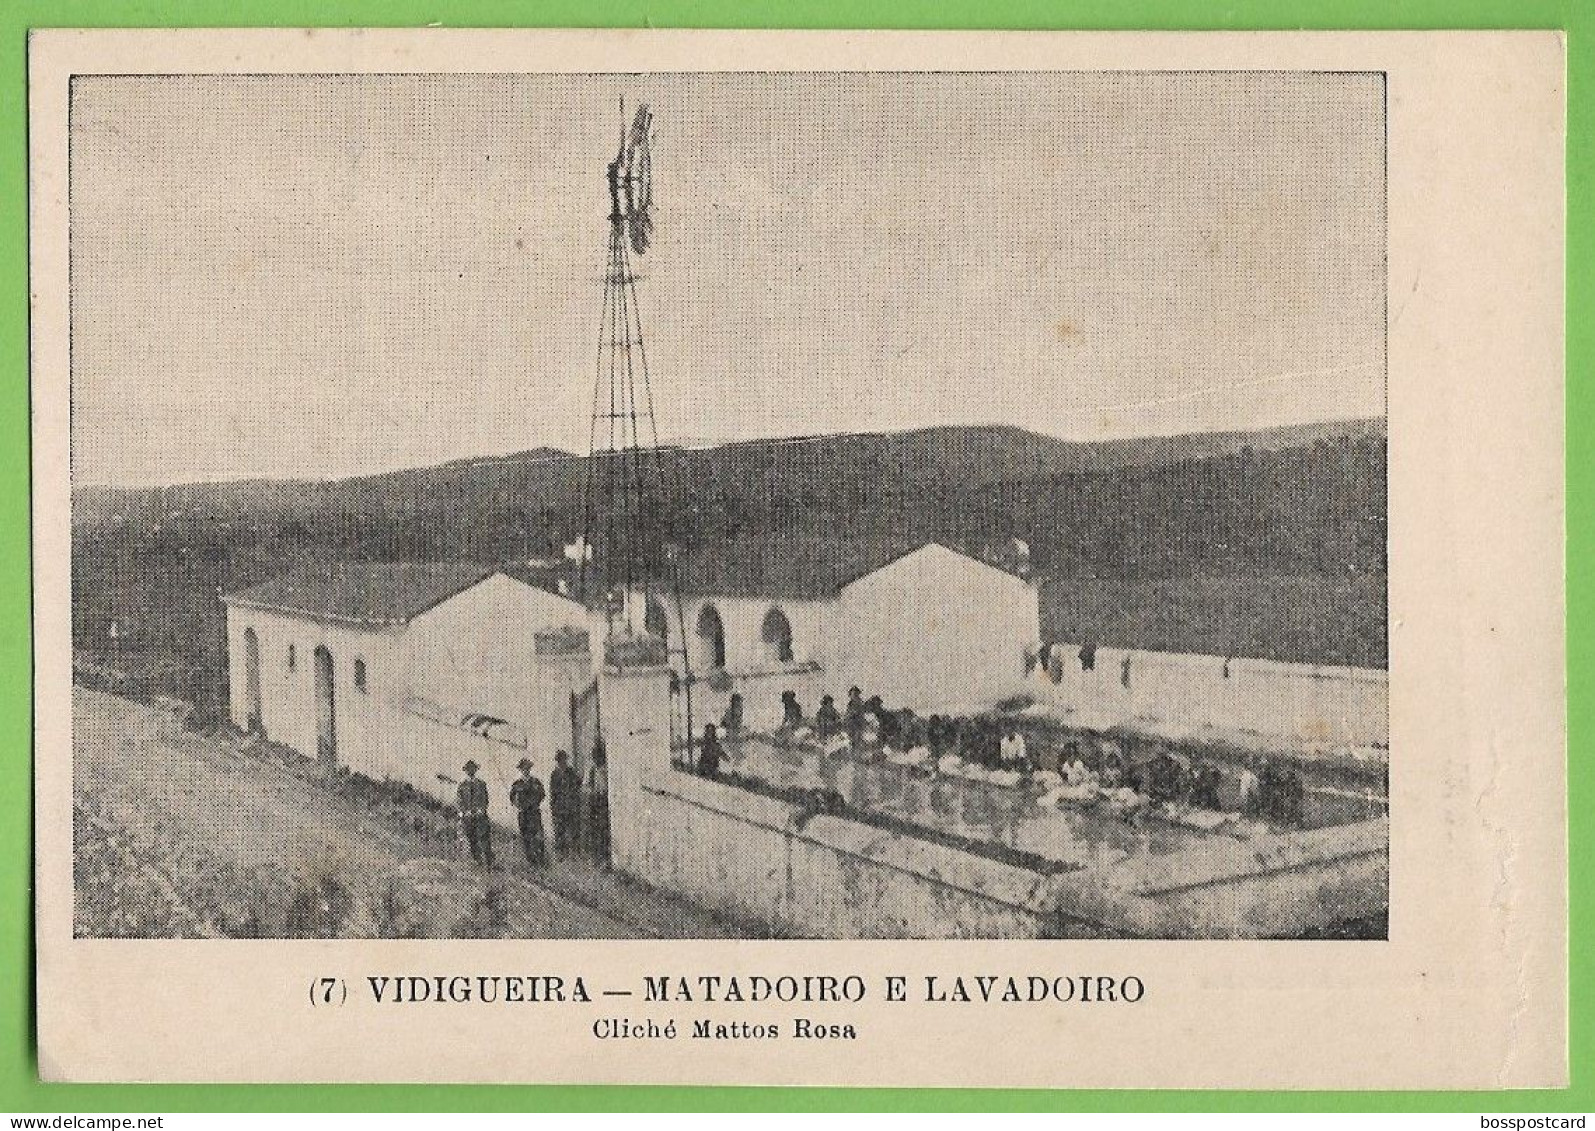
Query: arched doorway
777	635
326	707
252	709
711	638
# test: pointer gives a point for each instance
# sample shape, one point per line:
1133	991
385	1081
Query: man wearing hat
473	815
526	794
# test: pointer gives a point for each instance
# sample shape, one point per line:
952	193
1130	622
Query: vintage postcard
889	559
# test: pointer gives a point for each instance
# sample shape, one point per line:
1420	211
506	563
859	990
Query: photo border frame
20	1088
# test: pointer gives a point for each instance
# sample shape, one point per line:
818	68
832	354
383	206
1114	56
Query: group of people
575	807
1163	779
1274	792
1049	659
869	723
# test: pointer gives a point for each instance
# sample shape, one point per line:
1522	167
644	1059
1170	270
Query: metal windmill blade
639	180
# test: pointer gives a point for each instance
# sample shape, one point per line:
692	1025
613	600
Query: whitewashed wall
475	653
288	698
1297	705
935	631
743	618
751	665
761	696
478	651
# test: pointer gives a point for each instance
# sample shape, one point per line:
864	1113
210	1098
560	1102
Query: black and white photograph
730	505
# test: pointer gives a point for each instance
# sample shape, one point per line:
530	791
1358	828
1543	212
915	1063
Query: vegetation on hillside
1211	544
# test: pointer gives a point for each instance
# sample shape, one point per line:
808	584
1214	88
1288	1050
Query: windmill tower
628	560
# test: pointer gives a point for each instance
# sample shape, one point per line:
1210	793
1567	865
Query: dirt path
183	834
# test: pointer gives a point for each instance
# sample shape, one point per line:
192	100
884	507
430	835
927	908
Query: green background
20	1090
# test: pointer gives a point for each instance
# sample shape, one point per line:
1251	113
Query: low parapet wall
1270	887
763	860
1263	702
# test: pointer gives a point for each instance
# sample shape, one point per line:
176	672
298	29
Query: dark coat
526	793
564	790
709	755
473	797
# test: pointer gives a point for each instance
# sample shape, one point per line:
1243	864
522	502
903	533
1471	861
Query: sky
320	276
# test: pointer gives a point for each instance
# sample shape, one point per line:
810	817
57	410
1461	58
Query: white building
403	671
919	624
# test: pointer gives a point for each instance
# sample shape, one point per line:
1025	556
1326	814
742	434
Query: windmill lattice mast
628	561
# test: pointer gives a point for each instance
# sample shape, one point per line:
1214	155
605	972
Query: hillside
1331	620
967	456
1269	544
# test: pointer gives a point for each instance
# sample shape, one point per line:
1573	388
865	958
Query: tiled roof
367	593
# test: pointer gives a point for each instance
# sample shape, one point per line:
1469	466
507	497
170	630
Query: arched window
293	658
777	634
712	637
359	674
654	620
